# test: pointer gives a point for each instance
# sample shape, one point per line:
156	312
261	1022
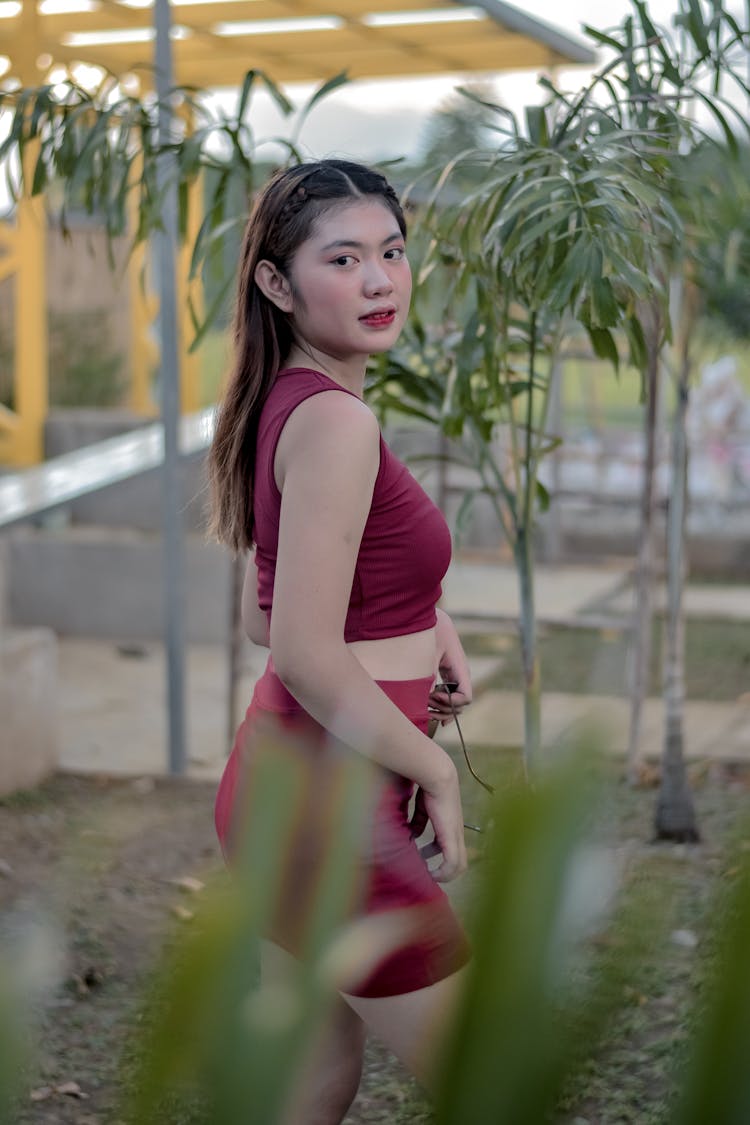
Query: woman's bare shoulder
331	423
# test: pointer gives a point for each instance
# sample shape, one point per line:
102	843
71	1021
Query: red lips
379	318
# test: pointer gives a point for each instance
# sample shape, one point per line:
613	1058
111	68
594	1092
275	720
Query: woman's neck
349	374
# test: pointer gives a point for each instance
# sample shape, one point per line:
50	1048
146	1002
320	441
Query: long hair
282	218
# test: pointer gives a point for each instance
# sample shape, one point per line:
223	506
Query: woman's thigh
413	1024
327	1081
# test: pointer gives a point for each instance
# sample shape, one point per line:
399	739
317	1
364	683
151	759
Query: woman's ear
273	285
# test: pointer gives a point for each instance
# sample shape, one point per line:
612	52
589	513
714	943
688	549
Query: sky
386	119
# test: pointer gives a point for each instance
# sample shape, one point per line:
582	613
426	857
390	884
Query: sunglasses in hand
451	686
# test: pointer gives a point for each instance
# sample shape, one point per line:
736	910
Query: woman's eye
395	254
343	260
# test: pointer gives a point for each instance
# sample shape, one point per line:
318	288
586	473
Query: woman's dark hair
283	217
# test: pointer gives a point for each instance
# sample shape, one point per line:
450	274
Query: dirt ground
90	872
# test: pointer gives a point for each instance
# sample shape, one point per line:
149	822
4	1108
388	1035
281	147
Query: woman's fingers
440	703
454	863
446	816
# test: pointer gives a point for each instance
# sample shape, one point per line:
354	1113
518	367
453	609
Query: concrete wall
29	746
103	582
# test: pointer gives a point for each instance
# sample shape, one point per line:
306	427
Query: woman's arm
452	666
254	619
326	465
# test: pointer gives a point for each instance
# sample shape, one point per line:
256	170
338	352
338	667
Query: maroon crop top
406	544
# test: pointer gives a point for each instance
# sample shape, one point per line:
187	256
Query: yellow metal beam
23	444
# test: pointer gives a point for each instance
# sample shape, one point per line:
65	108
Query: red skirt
395	877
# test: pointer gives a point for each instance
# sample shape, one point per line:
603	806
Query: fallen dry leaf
182	912
72	1089
188	883
647	776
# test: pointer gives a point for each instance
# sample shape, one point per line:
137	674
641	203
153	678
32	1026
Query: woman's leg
329	1079
413	1024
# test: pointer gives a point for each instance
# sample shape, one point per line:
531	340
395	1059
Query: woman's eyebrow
339	242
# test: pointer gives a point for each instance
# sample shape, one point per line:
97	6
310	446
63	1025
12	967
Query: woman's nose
377	279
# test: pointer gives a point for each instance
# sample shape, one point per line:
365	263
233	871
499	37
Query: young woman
348	556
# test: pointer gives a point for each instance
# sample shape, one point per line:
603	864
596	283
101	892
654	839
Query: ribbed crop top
406	545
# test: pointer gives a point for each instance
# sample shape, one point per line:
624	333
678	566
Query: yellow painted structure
215	44
21	431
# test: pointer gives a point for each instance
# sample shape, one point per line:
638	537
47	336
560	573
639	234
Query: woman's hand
440	806
452	667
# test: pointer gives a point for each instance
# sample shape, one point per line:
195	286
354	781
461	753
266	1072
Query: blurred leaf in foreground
716	1081
217	1033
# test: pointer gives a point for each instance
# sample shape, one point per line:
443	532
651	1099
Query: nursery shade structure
215	42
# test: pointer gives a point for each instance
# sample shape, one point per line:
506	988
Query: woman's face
351	282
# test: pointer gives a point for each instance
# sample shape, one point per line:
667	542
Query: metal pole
174	562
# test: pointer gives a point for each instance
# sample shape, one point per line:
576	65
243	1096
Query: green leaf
543	497
328	87
40	179
638	356
211	315
605	308
278	95
604	39
697	27
713	108
463	515
245	91
537	125
604	345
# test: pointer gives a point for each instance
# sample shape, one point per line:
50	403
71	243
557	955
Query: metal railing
28	493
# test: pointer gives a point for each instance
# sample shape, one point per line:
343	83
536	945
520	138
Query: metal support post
175	600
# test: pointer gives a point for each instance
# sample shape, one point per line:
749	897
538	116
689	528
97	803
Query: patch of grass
24	799
594	661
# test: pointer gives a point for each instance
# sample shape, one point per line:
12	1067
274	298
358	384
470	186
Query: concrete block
29	748
107	582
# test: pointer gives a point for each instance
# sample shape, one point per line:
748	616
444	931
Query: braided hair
282	218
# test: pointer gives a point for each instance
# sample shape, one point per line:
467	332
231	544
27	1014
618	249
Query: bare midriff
410	656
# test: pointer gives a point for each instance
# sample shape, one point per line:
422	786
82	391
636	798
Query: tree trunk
675	812
640	645
529	653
